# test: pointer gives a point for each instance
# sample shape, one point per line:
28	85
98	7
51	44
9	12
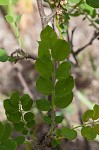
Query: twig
96	34
45	19
19	54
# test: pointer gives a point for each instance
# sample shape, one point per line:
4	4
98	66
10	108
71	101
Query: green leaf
28	116
28	106
43	104
60	50
63	70
89	133
1	130
15	117
87	115
25	99
9	18
44	66
63	102
64	87
93	3
44	86
96	112
55	143
43	49
15	98
96	127
19	140
59	119
11	59
19	126
18	18
49	36
9	107
68	133
97	21
24	132
8	145
58	132
31	123
89	10
47	119
3	55
7	132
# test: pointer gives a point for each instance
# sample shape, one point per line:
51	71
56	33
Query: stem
53	95
18	35
85	124
75	6
93	24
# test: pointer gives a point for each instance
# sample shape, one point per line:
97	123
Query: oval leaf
63	70
89	133
15	98
19	140
44	86
88	114
60	50
93	3
43	104
64	87
69	133
63	102
28	116
44	66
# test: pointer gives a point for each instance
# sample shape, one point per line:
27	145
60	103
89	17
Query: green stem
18	34
78	4
85	124
53	96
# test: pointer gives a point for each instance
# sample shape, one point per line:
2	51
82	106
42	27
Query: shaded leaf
88	114
64	87
63	102
44	66
31	123
1	130
44	86
59	119
47	119
8	145
68	133
60	50
43	104
63	70
49	36
7	132
19	140
93	3
19	126
15	98
89	133
28	116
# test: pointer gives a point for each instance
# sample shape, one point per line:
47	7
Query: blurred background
22	76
